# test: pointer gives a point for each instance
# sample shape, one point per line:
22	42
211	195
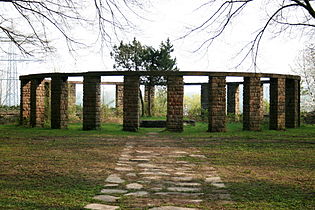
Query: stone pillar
233	99
175	98
131	103
47	100
119	98
262	105
149	92
25	102
59	102
292	103
217	104
71	94
277	104
204	97
252	104
37	114
91	102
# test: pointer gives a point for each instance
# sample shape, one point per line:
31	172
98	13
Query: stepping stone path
153	174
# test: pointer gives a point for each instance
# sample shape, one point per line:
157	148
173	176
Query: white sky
169	18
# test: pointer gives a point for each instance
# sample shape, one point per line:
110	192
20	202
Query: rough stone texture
25	102
149	92
217	104
175	98
59	104
47	100
113	191
134	186
71	94
91	102
37	112
252	103
292	103
204	97
119	98
277	104
131	103
106	198
114	178
96	206
233	98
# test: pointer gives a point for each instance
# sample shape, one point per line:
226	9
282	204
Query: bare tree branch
41	16
283	18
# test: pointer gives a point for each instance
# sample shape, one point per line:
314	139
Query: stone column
277	104
204	100
252	104
25	102
119	98
149	92
233	99
71	94
91	102
47	100
217	104
59	102
131	103
175	98
292	103
37	114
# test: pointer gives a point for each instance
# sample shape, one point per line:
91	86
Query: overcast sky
170	18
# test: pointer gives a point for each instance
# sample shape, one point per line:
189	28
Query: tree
136	57
306	69
29	23
281	16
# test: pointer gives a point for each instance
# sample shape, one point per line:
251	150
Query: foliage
306	69
110	115
192	107
160	102
137	57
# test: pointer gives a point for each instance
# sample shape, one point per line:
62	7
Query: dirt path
159	173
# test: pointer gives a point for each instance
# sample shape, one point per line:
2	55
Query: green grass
41	168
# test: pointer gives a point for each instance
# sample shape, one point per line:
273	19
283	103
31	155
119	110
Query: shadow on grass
52	191
257	194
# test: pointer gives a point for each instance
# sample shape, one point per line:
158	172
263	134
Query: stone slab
134	186
96	206
113	191
114	178
106	198
183	189
137	194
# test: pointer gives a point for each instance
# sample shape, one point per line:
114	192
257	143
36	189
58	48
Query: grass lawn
63	169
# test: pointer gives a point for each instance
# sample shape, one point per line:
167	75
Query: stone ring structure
284	99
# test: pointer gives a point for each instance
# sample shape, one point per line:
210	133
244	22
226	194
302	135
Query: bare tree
33	21
281	16
306	69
